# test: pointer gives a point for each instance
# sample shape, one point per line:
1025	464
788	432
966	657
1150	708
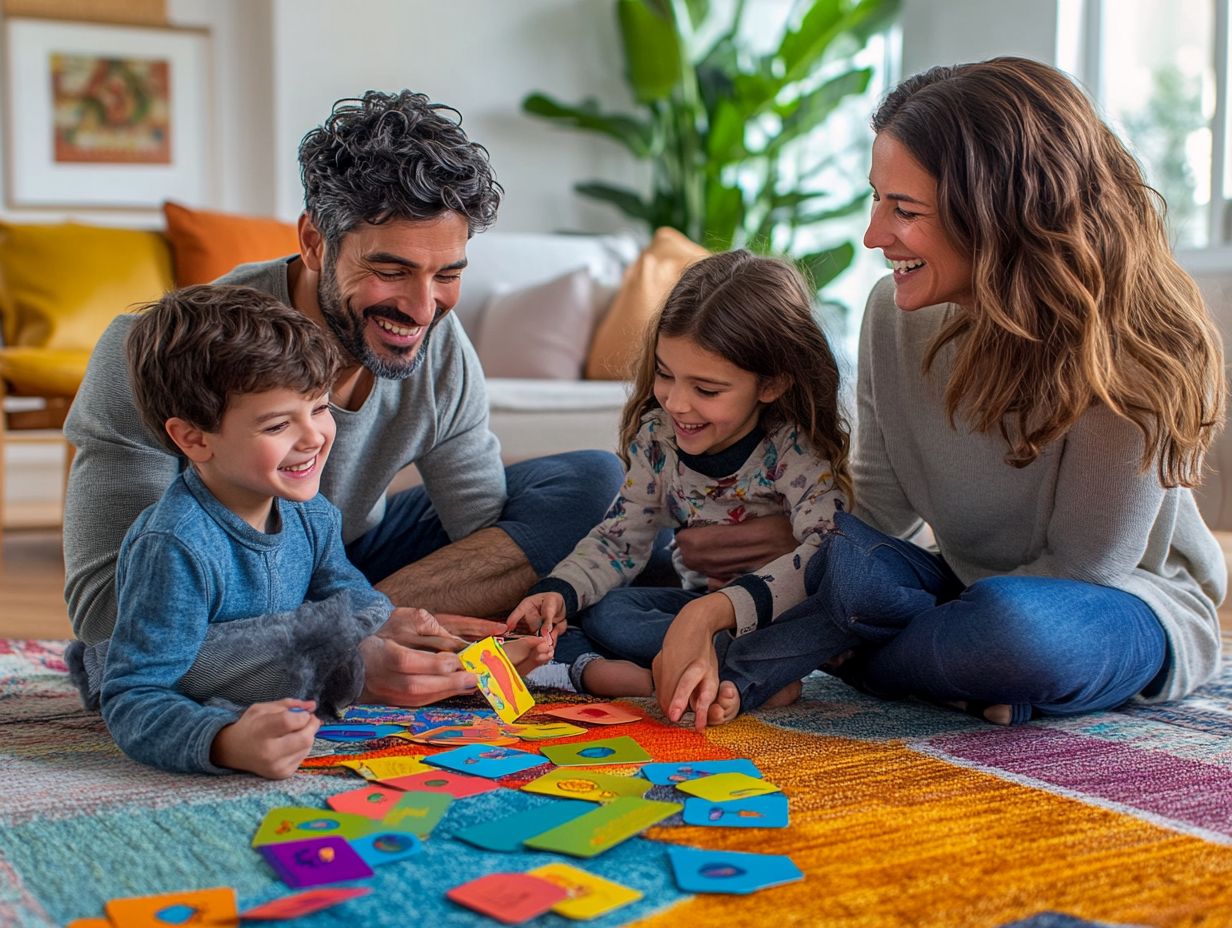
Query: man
393	190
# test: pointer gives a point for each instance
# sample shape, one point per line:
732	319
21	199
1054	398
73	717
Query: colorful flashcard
315	861
543	731
369	801
417	812
356	732
596	713
298	905
510	898
587	784
705	871
499	681
384	768
295	823
604	827
190	907
755	812
620	750
724	787
457	785
671	774
387	846
589	896
507	834
487	732
435	717
485	760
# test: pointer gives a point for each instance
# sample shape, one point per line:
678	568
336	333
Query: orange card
510	898
369	801
213	907
597	713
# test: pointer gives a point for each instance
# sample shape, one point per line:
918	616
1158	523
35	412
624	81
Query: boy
237	383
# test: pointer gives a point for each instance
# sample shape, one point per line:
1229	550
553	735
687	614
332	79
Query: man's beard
348	329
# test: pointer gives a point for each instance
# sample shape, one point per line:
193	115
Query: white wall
955	31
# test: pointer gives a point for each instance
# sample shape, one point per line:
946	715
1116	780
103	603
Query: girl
734	413
1039	382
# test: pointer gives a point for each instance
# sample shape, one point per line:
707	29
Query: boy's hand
395	675
269	739
536	611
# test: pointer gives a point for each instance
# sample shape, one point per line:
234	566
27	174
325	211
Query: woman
1039	381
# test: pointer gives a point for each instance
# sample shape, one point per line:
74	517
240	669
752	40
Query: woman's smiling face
905	224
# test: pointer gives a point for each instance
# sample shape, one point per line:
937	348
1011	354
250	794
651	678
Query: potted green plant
731	135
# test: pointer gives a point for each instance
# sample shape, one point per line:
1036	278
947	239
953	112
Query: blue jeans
552	502
1039	644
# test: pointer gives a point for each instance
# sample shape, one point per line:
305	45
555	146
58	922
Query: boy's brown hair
192	350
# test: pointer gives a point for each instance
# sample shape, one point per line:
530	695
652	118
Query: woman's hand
724	552
686	670
541	611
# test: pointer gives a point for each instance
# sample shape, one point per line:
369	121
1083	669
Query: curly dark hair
194	349
390	156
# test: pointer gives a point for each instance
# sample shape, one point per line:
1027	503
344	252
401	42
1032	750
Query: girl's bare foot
603	677
726	705
998	714
529	652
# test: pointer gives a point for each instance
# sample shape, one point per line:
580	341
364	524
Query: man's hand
536	612
686	670
269	739
724	552
418	628
468	627
396	675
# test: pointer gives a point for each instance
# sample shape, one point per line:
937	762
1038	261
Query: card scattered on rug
897	814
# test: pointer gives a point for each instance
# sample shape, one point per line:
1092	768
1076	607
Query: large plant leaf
627	201
850	208
821	267
804	48
634	134
726	141
724	215
652	48
805	114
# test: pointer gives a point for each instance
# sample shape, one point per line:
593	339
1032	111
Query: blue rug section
1060	920
148	851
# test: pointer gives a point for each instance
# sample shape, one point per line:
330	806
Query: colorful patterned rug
901	815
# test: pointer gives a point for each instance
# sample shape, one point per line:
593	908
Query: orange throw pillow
206	244
645	286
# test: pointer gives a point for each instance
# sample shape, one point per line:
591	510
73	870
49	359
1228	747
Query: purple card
315	861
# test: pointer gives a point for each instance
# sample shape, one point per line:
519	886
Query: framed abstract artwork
102	115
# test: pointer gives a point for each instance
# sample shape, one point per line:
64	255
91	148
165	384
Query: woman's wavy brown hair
756	313
1077	297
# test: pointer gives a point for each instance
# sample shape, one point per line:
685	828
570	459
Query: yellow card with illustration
589	896
383	768
543	731
499	681
724	787
587	784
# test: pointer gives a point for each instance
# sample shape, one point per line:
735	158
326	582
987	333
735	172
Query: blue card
671	774
703	871
507	834
755	812
486	760
384	847
356	732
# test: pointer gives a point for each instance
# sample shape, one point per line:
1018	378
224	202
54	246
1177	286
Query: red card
369	801
455	784
510	898
305	903
597	713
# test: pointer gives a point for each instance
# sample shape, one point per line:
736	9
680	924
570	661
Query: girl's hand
269	739
686	670
538	610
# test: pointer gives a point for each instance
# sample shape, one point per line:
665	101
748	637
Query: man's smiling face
388	284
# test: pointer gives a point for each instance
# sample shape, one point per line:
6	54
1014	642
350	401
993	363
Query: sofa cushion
645	286
541	331
62	283
207	244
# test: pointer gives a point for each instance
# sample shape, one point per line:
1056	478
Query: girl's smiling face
928	266
712	402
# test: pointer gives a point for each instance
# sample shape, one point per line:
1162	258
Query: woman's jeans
1041	645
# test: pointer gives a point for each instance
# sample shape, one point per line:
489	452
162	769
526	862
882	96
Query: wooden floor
32	585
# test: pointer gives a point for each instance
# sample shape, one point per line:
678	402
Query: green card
605	827
620	750
587	784
297	823
417	812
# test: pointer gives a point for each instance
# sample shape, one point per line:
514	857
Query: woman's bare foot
603	677
529	652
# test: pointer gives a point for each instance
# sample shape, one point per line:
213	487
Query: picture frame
100	115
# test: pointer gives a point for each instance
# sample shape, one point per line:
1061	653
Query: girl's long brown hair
1077	297
756	313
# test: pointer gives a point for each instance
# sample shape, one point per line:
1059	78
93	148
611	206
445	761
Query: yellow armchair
60	285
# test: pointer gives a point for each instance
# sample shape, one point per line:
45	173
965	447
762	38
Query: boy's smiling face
272	443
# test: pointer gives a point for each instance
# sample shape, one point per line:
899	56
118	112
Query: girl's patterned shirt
762	474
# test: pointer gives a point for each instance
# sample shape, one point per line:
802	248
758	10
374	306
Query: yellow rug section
890	837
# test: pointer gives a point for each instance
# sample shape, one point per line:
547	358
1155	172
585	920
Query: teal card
754	812
508	833
704	871
417	813
604	827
